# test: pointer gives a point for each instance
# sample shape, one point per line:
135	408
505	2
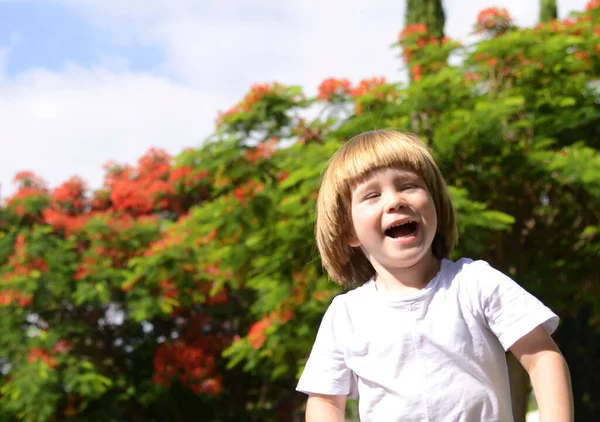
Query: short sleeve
326	371
510	311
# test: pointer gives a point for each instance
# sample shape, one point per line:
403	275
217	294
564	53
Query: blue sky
83	82
49	34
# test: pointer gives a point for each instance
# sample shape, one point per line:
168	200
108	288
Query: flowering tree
188	288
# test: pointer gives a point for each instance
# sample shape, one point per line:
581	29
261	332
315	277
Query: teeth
398	225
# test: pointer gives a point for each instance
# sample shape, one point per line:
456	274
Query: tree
426	18
548	10
427	12
188	287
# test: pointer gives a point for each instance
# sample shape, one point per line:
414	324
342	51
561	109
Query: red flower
257	334
262	151
6	297
367	85
332	87
191	361
416	73
62	346
70	194
493	19
29	185
592	4
36	354
413	28
257	92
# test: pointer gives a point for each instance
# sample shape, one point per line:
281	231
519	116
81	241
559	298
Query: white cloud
72	121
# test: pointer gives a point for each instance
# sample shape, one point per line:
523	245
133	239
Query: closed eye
371	195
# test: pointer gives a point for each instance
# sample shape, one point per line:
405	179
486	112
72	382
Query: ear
353	240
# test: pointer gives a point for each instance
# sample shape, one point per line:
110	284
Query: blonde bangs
371	151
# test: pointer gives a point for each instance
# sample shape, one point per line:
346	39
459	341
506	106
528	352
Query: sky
84	82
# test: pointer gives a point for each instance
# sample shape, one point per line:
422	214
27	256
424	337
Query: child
423	338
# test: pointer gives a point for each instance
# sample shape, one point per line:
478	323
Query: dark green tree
429	12
548	10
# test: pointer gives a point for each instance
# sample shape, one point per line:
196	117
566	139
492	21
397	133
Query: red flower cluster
332	87
8	296
495	19
168	289
262	151
169	239
414	37
186	176
87	267
142	190
556	25
21	262
67	206
71	195
132	190
592	4
412	29
366	86
107	246
39	354
29	185
191	362
69	224
257	92
36	354
62	346
100	200
491	61
247	191
257	335
306	133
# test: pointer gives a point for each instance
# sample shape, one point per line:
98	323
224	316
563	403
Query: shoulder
467	267
347	307
470	271
356	297
462	273
475	280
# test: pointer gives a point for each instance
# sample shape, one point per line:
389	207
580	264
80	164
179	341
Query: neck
406	281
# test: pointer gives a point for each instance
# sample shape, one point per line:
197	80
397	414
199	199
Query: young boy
423	338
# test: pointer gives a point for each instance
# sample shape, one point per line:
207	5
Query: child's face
394	218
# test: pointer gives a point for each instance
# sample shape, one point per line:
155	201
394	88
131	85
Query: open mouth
405	229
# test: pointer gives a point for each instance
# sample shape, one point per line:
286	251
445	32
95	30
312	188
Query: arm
549	375
324	408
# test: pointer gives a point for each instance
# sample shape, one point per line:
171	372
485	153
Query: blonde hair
353	162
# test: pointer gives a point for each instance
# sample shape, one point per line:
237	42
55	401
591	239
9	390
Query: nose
395	202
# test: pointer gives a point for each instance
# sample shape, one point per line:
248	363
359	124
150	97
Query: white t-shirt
436	356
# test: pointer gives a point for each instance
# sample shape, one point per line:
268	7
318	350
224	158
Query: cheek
364	216
428	209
